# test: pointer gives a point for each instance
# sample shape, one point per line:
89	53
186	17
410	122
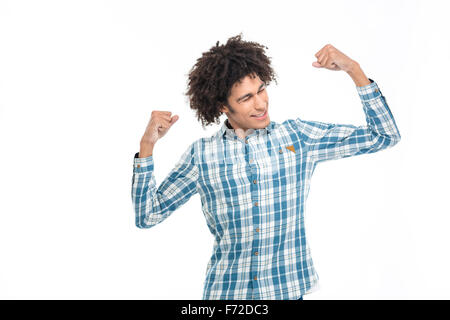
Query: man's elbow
382	142
389	141
142	226
395	139
143	223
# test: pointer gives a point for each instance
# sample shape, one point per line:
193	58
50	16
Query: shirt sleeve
328	141
153	204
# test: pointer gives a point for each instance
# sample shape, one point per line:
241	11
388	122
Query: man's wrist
357	75
146	151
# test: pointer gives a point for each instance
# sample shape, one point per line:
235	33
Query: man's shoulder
301	124
199	145
291	124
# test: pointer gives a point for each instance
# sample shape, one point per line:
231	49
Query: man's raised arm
327	141
154	204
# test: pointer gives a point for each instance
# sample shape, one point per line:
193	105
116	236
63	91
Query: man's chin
261	124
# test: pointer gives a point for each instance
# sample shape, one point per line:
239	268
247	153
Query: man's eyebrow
249	94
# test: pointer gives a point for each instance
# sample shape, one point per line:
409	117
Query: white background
78	82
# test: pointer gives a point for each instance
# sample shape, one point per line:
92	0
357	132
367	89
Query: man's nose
260	104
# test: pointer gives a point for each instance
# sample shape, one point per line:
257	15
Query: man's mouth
261	115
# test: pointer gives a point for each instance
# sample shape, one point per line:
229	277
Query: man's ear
224	109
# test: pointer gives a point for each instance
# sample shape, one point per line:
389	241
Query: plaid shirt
253	194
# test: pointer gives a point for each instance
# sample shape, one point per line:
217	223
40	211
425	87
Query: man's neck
239	132
228	124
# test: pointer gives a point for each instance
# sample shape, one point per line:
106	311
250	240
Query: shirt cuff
142	165
369	92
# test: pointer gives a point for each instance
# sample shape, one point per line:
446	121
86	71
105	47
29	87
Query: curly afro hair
214	74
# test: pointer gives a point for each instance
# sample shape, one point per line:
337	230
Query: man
253	175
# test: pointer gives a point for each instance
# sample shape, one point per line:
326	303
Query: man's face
248	99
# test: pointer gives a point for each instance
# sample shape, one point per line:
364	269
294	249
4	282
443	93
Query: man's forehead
247	79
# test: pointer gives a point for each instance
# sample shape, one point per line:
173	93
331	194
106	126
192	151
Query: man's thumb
173	120
316	64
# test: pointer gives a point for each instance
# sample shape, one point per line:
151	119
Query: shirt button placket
255	220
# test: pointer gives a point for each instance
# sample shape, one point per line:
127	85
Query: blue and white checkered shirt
253	194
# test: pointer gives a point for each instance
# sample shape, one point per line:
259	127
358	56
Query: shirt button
257	229
256	253
256	204
281	151
251	160
138	165
255	278
246	141
254	181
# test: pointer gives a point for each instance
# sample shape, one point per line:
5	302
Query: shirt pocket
285	155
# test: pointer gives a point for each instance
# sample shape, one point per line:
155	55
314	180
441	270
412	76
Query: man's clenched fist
331	58
160	122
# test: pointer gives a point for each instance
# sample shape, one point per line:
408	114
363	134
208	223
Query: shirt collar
230	132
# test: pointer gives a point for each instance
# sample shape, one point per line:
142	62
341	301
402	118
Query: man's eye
258	92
